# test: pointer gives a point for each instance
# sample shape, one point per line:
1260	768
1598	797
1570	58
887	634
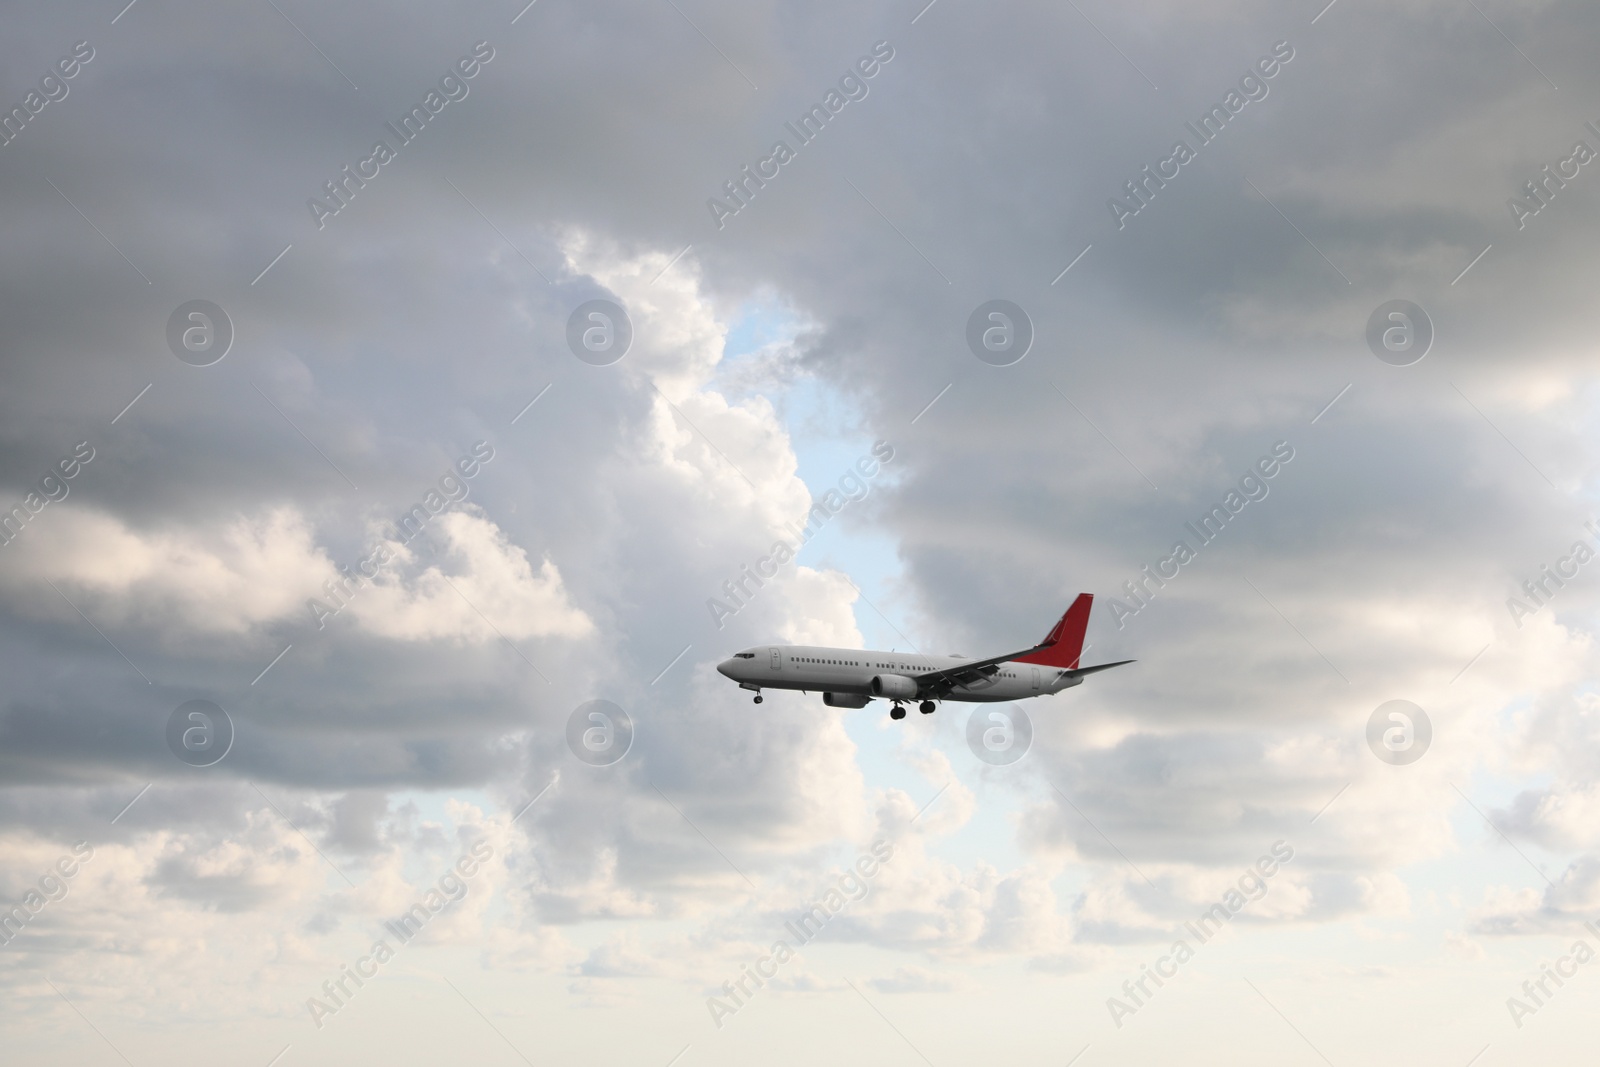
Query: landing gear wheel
897	712
926	707
758	698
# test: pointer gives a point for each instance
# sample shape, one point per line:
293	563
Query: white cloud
228	577
485	588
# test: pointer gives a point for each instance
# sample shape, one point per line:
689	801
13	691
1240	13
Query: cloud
493	592
226	578
917	980
433	309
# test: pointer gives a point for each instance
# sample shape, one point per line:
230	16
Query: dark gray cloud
426	314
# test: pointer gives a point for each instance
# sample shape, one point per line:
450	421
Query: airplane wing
949	678
964	674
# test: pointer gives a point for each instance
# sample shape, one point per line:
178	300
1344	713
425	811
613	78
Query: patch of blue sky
760	321
829	432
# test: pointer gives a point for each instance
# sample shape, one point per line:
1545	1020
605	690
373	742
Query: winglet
1064	644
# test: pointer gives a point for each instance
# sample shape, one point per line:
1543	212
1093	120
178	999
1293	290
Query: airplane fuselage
852	672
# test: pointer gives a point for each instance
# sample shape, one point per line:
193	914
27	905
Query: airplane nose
725	668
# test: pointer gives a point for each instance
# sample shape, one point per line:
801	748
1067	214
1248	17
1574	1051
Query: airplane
850	678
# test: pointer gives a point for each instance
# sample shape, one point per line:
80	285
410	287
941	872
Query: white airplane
850	677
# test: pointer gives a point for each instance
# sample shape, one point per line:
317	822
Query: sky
384	386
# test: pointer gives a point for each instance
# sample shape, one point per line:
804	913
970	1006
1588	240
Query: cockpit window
744	655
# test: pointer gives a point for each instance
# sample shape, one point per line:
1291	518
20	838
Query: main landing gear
927	707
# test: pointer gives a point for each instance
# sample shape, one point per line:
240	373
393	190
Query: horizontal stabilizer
1082	671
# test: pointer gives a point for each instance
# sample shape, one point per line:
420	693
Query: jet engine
845	700
894	686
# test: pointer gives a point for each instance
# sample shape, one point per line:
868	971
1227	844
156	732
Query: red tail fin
1066	639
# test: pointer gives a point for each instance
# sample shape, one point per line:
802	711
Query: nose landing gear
758	698
926	707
